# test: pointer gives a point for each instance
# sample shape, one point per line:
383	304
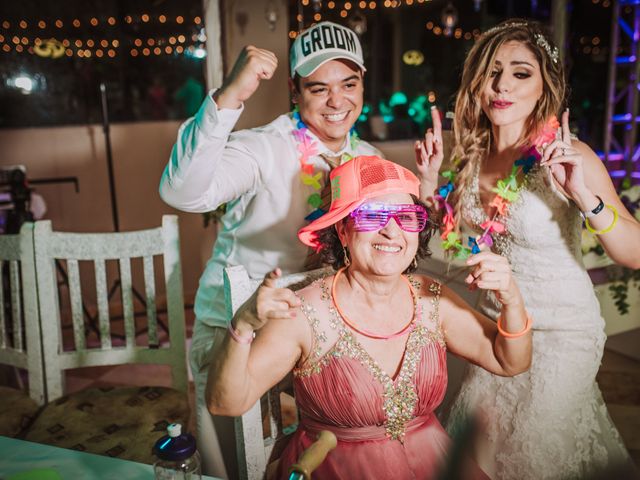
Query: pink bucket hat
354	182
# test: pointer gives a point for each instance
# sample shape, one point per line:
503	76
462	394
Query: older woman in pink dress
368	344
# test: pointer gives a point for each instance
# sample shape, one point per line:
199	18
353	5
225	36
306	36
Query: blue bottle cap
175	445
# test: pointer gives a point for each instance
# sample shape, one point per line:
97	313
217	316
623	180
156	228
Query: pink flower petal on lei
307	147
547	134
448	225
485	239
500	203
441	203
493	226
445	232
307	168
300	134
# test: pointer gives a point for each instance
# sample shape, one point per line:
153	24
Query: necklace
308	147
406	328
507	191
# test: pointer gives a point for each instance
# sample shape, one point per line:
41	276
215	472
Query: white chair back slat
16	304
102	292
150	294
75	300
126	286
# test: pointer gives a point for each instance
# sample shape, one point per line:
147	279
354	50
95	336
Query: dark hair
297	79
332	252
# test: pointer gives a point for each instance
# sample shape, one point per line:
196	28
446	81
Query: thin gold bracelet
604	230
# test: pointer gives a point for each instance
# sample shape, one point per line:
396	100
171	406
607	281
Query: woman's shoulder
425	286
316	291
431	288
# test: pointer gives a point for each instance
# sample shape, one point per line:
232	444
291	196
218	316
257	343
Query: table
17	456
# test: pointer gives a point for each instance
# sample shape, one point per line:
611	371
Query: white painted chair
20	343
253	446
98	248
83	252
20	334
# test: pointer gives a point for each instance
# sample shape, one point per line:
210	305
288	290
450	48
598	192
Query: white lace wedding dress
550	422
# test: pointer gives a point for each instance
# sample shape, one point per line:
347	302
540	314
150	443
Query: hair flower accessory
552	51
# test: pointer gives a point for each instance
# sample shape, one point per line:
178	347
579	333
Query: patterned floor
619	380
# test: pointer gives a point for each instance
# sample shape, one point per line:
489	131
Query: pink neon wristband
243	340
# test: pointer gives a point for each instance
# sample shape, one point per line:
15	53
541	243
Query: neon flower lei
308	147
507	191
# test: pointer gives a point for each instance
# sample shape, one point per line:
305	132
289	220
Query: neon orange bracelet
506	334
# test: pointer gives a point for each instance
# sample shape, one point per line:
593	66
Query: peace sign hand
565	161
429	154
268	303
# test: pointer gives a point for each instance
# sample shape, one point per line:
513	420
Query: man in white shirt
271	178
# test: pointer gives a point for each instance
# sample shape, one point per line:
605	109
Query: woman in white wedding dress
550	422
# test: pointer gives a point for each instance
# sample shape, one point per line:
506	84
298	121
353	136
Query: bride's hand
565	161
430	153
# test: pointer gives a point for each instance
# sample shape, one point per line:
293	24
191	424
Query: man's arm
206	170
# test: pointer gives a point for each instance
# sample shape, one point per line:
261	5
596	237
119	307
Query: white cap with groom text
323	42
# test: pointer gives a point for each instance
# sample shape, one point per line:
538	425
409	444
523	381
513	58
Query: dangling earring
346	259
414	264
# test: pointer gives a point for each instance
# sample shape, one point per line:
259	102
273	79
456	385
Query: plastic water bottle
178	458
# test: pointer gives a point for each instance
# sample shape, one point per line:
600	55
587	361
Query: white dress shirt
257	172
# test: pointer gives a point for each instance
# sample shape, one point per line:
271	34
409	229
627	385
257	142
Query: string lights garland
13	37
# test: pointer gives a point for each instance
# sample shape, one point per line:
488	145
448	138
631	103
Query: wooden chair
254	446
20	345
122	422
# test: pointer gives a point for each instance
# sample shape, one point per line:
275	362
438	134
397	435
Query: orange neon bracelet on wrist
506	334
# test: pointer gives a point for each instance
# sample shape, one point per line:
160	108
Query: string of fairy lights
347	7
588	45
18	36
14	38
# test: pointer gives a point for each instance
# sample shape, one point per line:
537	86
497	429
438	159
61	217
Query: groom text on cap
328	36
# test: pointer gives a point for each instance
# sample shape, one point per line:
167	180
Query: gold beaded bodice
399	395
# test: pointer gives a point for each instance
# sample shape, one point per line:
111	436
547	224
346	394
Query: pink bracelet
236	336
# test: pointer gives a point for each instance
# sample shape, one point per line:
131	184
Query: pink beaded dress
386	427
